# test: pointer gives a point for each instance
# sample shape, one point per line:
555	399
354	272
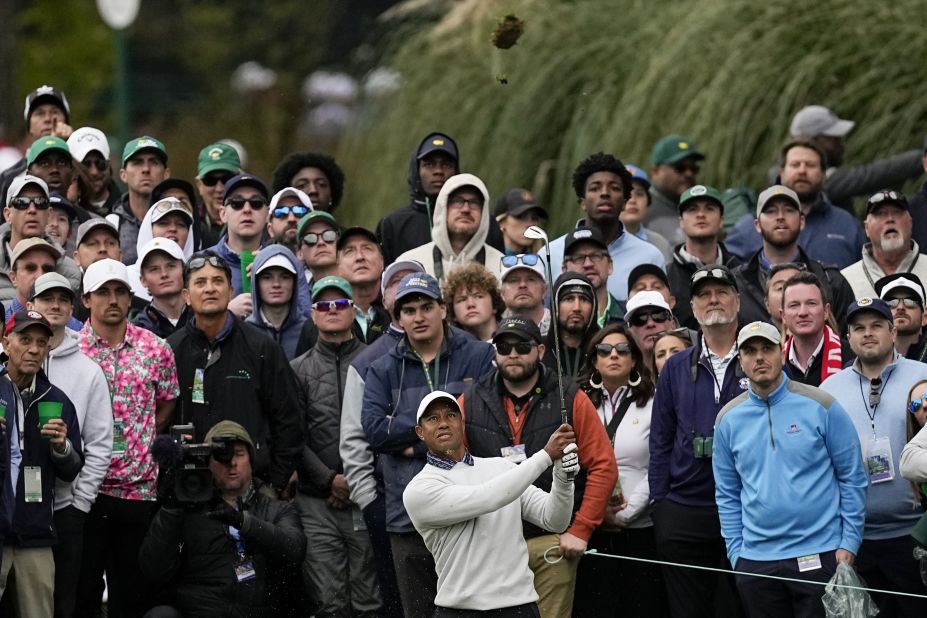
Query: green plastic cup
49	410
247	258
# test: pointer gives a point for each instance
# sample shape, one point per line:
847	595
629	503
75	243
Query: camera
188	464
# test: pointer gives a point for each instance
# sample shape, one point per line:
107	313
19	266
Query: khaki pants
34	568
554	583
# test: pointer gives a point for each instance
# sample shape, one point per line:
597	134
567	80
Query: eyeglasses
605	349
282	212
460	202
521	347
328	236
917	404
659	317
875	393
100	164
201	261
682	168
212	179
22	202
528	259
237	203
597	257
909	303
48	163
339	304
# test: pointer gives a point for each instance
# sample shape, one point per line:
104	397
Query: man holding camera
225	556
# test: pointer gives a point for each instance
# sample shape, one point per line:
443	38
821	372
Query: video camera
185	465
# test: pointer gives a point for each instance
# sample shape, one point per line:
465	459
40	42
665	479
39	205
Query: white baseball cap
278	261
165	245
433	397
85	140
290	192
647	298
20	182
103	271
519	264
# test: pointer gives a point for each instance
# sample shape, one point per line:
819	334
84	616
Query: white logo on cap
35	315
863	302
215	153
146	142
44	89
582	234
698	190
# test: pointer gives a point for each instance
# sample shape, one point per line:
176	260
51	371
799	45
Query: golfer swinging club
469	511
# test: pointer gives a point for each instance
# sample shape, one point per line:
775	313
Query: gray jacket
65	266
321	375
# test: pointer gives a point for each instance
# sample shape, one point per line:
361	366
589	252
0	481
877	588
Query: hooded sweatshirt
83	382
145	234
438	257
571	359
287	336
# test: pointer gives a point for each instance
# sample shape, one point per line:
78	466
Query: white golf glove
567	466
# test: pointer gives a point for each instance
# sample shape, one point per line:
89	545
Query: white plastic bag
846	602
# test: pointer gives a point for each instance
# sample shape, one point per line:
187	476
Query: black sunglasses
199	262
639	319
211	180
312	239
521	347
237	203
22	202
605	349
875	394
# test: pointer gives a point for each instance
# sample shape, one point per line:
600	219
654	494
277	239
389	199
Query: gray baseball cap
814	120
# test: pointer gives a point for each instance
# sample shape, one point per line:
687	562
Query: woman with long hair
668	343
621	387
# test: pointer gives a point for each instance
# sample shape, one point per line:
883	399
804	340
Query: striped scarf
831	353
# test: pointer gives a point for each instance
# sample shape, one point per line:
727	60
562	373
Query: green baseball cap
332	281
673	149
218	156
43	145
700	192
139	144
313	217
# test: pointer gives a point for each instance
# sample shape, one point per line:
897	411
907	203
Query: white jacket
83	382
863	274
451	261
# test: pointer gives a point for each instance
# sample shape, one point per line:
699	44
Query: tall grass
617	75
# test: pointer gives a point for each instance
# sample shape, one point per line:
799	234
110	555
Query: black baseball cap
59	201
526	330
646	269
22	320
874	305
437	142
517	202
46	94
173	183
245	180
356	231
583	234
704	274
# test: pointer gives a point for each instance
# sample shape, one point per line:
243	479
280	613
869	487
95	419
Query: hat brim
839	128
217	166
161	154
682	154
521	209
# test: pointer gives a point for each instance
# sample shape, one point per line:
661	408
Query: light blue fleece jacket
789	477
891	510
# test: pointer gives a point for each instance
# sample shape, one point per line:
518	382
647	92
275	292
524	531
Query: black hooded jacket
571	359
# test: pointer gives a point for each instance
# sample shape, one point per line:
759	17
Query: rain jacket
287	336
144	235
437	256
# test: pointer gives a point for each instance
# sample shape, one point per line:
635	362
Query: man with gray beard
891	248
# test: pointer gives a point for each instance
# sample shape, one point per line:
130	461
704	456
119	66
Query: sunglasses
917	404
22	202
887	196
168	204
201	261
100	164
714	273
659	317
522	347
237	203
909	303
328	236
211	180
282	212
528	259
605	349
339	304
875	393
682	168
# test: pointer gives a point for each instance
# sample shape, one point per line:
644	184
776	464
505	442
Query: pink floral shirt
141	374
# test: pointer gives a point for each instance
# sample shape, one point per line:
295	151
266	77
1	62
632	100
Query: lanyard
437	361
872	414
613	404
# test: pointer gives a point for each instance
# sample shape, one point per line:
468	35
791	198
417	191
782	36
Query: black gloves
227	514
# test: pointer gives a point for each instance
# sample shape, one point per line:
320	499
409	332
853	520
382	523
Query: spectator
430	357
48	158
635	211
676	163
831	234
46	113
476	304
524	286
890	248
585	252
460	230
884	558
214	346
60	220
791	495
778	275
338	568
814	350
512	411
83	382
31	258
161	263
167	218
139	370
90	148
216	165
468	524
26	214
914	455
287	207
620	385
693	387
576	311
315	174
904	294
434	161
918	205
144	165
318	233
650	278
274	278
181	190
701	218
243	536
51	451
360	261
516	211
647	318
779	219
602	185
669	343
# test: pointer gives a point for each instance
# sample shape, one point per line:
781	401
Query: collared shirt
141	374
793	359
364	320
446	463
718	364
